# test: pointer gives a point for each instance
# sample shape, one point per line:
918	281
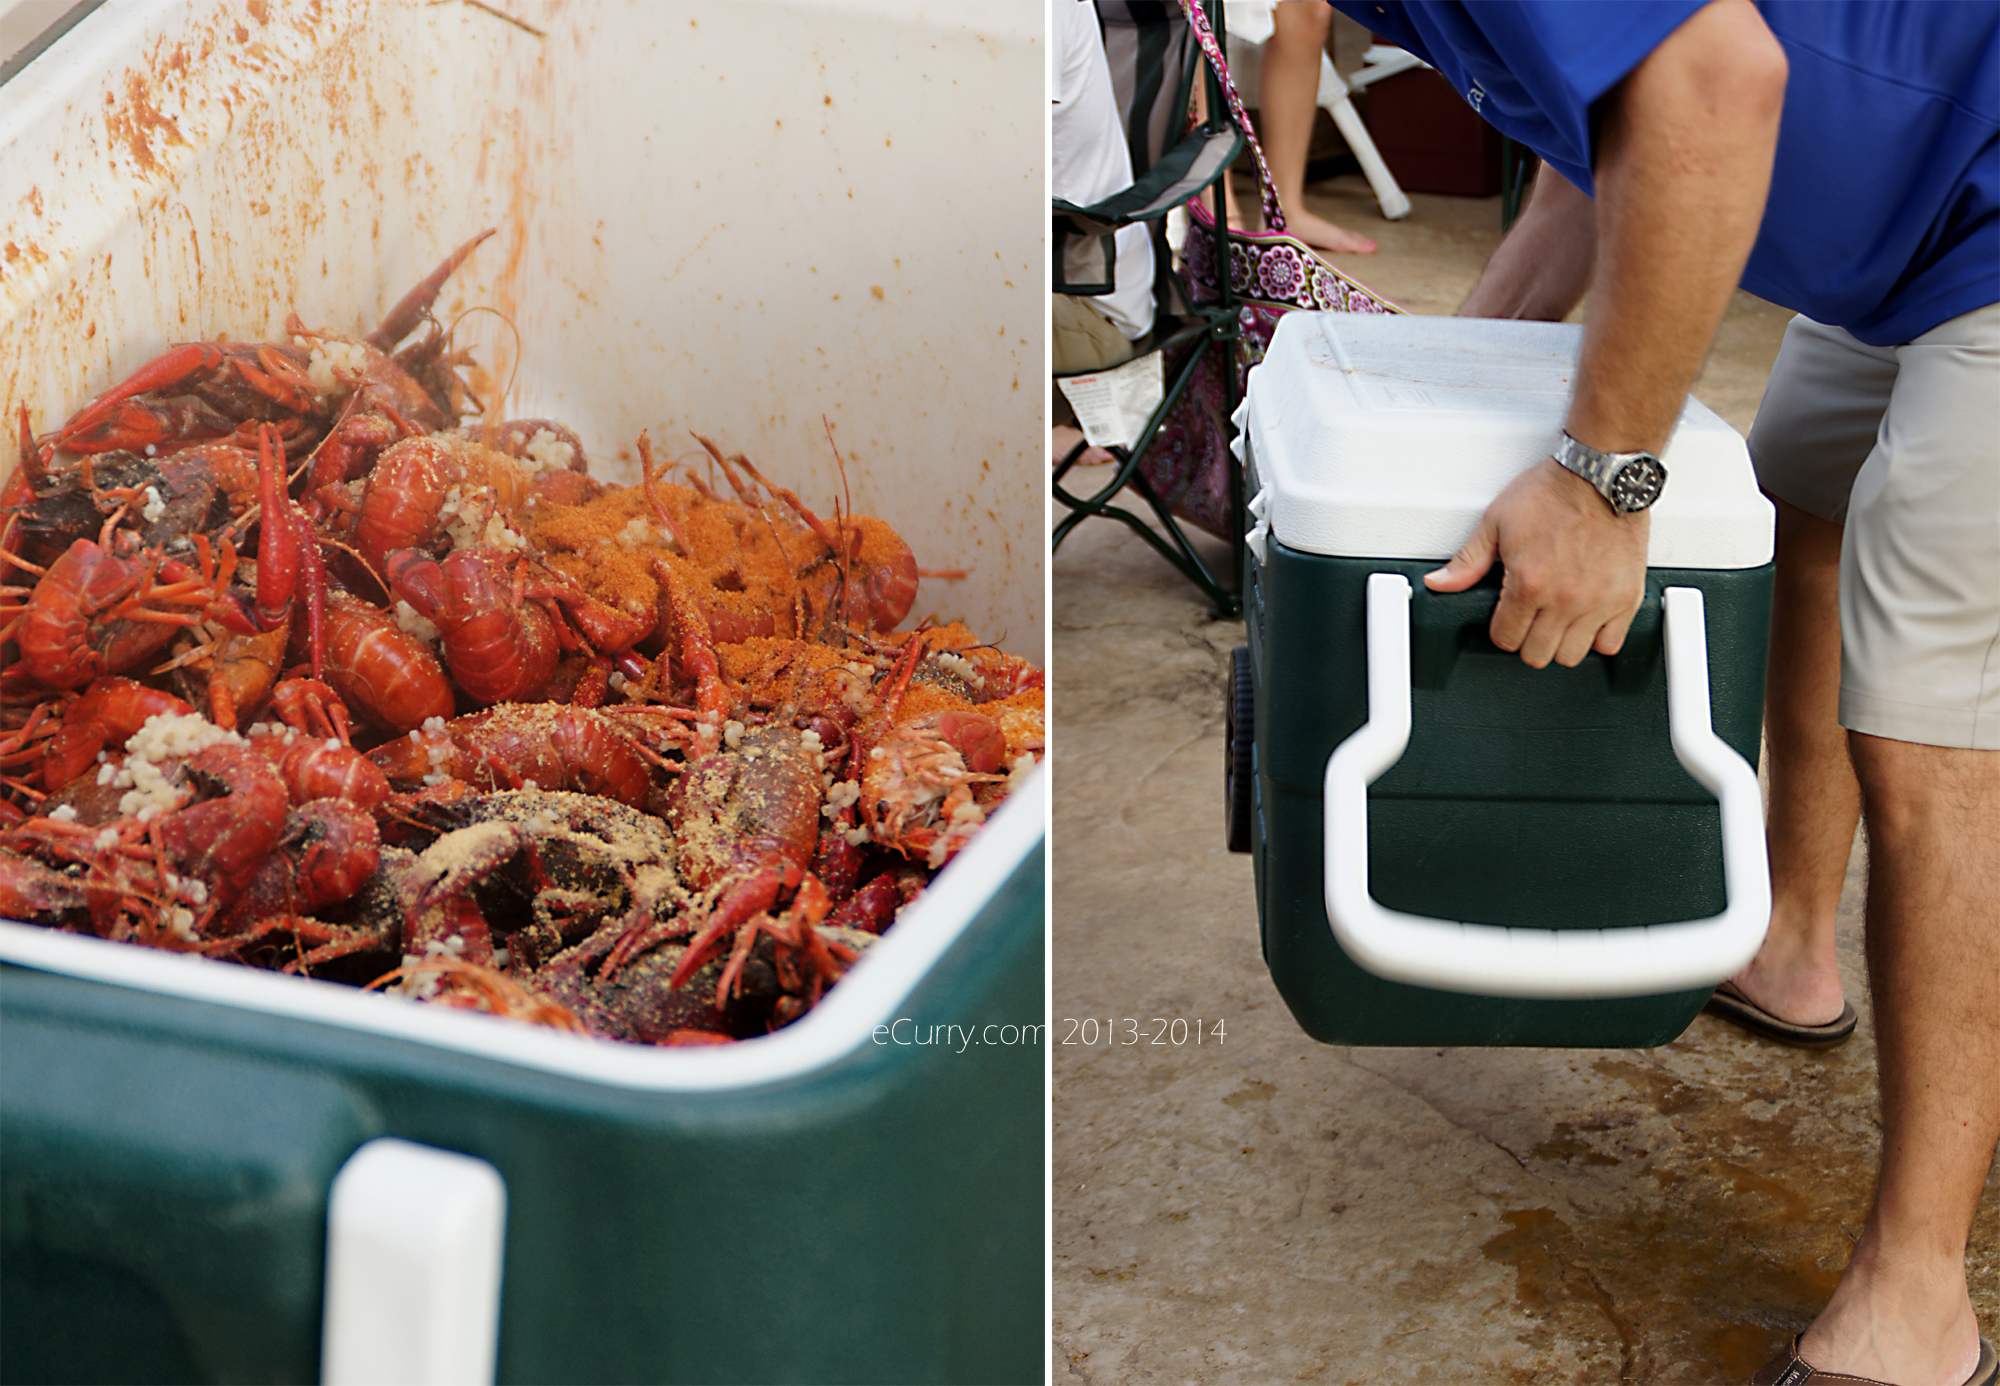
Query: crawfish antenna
648	480
844	554
846	496
513	368
743	492
785	494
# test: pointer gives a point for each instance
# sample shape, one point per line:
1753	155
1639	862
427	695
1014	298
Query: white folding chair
1381	61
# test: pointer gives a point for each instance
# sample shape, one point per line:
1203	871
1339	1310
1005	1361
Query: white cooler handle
1492	960
413	1251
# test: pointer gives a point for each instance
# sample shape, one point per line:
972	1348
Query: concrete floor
1258	1207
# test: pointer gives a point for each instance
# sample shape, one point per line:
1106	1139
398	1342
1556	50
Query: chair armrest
1190	167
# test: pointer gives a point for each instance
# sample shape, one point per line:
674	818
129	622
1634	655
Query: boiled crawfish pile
299	670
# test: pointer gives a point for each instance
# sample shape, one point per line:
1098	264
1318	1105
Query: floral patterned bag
1270	274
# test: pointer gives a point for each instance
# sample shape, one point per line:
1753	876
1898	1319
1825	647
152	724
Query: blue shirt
1884	212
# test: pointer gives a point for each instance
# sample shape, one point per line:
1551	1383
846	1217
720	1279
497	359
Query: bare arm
1684	166
1543	268
1684	152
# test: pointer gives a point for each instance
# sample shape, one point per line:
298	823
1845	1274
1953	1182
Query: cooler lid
1386	436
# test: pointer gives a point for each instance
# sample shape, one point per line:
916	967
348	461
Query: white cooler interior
734	218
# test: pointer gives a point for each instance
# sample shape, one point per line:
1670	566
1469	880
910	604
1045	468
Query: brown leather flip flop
1733	1005
1790	1369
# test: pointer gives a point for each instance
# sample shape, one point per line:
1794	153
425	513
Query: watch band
1628	481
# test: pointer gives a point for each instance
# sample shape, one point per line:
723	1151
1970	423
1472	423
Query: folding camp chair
1154	60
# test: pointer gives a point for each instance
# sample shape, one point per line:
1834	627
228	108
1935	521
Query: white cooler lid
1386	436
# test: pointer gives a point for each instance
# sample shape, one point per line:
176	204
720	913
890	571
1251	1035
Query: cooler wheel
1239	726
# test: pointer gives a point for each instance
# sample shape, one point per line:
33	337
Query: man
1840	160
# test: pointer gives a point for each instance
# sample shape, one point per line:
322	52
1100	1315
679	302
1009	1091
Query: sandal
1732	1004
1790	1369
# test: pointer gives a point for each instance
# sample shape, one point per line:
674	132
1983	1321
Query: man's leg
1920	697
1082	338
1815	801
1902	1313
1815	429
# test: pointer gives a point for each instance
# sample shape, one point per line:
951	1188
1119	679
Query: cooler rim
865	1000
1313	507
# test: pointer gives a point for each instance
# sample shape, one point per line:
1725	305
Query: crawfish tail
500	649
554	745
379	670
313	770
110	711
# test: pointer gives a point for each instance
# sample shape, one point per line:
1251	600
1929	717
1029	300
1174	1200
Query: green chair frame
1164	179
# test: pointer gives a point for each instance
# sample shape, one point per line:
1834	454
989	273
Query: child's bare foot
1322	234
1062	438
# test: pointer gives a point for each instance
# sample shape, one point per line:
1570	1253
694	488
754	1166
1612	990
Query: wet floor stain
1568	1143
1701	1225
1668	1094
1251	1091
1554	1273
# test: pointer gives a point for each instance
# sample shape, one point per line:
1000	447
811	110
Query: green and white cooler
1452	848
209	1173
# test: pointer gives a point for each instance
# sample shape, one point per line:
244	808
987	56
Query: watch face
1637	484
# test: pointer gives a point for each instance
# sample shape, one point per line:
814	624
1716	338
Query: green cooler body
857	1198
1549	804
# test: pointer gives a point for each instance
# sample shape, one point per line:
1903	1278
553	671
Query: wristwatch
1628	481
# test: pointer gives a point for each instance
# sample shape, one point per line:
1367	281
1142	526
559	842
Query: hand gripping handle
1491	960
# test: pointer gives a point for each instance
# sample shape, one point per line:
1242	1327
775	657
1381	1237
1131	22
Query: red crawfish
380	671
745	821
549	746
204	390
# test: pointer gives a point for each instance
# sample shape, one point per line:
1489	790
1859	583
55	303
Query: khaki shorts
1901	445
1081	338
